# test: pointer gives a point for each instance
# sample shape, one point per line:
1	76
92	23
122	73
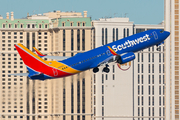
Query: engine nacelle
126	58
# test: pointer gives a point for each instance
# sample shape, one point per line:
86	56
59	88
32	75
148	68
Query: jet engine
126	58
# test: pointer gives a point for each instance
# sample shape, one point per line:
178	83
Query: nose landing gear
158	48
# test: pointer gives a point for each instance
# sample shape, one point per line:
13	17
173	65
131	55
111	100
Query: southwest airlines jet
120	51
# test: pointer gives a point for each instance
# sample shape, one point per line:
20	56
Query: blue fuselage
134	43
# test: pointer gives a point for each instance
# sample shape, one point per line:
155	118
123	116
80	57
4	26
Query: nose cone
166	33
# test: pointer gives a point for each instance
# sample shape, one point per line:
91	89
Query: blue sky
138	11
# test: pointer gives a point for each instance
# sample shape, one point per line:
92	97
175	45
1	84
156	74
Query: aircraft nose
166	33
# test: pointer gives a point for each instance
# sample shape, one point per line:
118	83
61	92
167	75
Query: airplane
120	51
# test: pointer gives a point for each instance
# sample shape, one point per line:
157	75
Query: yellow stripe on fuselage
62	67
54	64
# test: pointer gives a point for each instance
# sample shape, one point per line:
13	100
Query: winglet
38	52
112	51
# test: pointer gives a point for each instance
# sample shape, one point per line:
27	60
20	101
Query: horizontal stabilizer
20	74
55	57
49	57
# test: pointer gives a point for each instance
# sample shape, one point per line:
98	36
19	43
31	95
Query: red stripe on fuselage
39	66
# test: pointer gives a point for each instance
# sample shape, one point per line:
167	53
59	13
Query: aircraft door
155	35
55	72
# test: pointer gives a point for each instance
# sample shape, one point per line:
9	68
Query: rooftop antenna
115	15
125	15
33	12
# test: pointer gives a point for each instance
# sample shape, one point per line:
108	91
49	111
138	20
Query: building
134	90
54	33
172	59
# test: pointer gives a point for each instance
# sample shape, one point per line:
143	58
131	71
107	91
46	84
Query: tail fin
38	52
31	60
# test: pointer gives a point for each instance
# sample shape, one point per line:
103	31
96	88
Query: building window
159	57
28	26
78	23
138	79
4	25
159	68
159	90
63	24
102	89
138	30
152	90
71	23
124	35
9	25
40	25
113	34
46	26
94	89
102	78
141	57
102	36
94	100
27	37
72	39
21	25
83	23
64	41
102	111
138	89
102	100
106	36
83	39
78	39
127	32
117	34
149	69
15	26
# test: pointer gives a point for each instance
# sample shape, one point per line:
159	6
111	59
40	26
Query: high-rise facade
134	90
54	33
172	55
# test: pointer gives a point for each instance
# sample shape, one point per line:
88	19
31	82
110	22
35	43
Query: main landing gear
96	69
106	69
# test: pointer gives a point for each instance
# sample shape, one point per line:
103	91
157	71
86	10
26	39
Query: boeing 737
120	51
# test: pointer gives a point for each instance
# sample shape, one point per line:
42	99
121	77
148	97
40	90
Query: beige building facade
63	98
172	59
134	90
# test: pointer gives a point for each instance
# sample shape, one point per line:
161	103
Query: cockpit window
162	31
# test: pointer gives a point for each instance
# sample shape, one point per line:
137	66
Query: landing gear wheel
105	69
95	70
158	49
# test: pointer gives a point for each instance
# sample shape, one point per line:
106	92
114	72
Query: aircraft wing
112	58
50	57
